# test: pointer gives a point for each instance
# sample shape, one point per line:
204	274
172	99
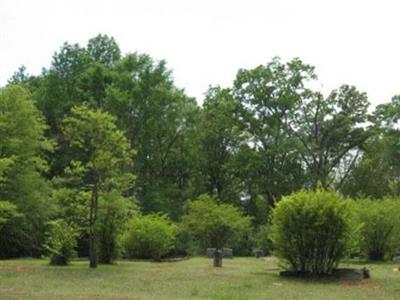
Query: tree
23	151
270	163
219	138
374	175
213	224
158	118
331	132
77	75
103	156
104	49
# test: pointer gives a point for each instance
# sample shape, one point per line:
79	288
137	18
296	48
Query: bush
113	214
149	236
61	242
311	231
213	225
380	227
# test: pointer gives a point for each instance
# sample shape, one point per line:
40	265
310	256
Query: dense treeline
100	138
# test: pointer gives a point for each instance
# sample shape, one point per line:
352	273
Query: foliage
103	160
311	230
377	173
380	227
149	236
7	212
23	150
14	241
219	138
249	144
270	163
114	213
263	240
331	131
212	224
158	119
61	242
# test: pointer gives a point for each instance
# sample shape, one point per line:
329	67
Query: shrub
380	227
212	225
149	236
113	214
61	242
311	231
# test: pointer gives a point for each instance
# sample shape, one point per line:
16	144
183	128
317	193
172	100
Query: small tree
102	159
150	236
311	230
61	242
213	224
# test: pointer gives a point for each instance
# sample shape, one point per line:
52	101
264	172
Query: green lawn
240	278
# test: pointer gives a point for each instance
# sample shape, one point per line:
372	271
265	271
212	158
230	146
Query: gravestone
259	253
218	258
210	252
227	253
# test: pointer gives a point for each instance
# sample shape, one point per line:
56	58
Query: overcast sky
205	42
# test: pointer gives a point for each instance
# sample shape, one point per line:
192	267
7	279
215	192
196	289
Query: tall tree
157	117
102	160
219	137
23	150
377	173
270	162
331	132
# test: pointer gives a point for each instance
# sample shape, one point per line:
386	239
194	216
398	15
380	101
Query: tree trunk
92	234
218	258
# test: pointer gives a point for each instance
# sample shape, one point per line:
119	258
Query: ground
195	278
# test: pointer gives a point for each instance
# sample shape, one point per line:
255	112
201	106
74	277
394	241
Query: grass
240	278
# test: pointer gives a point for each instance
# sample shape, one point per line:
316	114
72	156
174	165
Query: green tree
103	159
23	150
270	162
332	132
219	138
158	118
213	224
376	174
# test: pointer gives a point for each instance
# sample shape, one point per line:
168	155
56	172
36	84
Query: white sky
205	42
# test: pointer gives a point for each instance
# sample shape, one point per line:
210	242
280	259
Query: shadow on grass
339	276
164	260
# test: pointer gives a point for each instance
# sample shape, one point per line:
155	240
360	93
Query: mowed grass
195	278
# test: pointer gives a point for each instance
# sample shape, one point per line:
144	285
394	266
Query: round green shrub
149	236
380	227
311	231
